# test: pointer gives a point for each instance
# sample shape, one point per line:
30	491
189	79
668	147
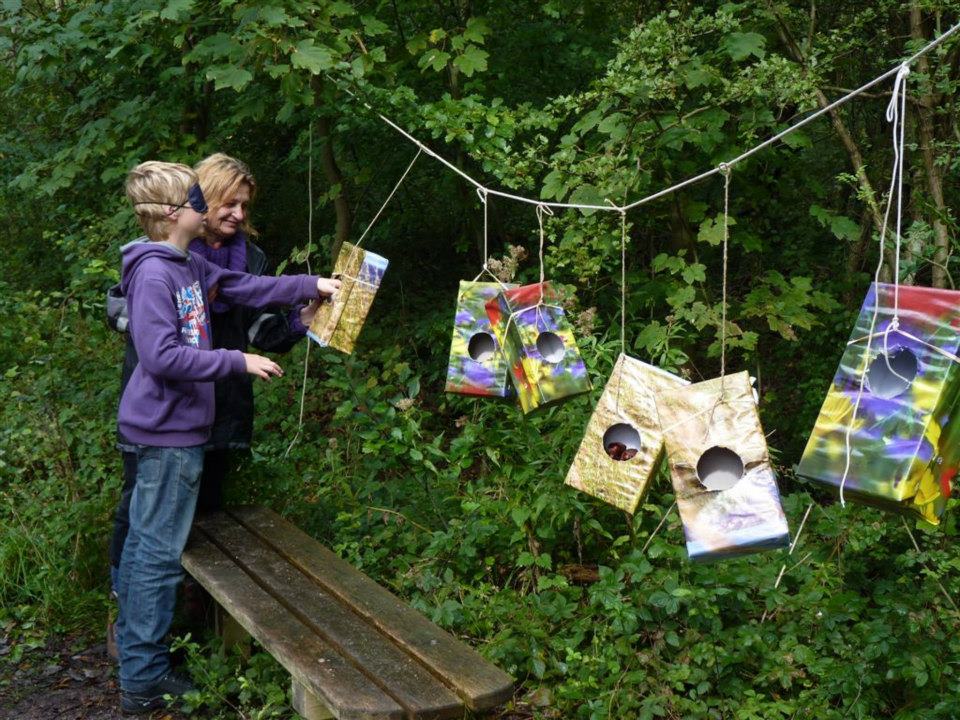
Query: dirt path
68	679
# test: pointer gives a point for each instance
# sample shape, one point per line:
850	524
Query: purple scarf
231	255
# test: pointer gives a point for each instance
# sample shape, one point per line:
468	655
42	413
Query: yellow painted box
622	445
338	323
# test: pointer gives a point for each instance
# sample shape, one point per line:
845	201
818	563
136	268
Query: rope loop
724	169
482	194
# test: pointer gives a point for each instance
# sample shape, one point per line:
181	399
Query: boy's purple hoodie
168	401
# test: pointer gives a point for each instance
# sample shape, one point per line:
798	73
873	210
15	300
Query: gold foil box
622	445
725	486
337	324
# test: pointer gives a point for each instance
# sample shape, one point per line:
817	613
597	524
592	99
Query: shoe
112	652
153	697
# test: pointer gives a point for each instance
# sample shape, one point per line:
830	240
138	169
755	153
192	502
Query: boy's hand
327	286
262	367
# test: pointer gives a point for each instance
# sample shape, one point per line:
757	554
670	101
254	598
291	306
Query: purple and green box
544	361
905	433
477	364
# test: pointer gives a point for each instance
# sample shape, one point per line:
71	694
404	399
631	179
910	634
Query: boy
168	405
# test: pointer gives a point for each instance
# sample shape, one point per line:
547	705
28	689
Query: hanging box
477	364
338	323
725	486
545	363
904	443
622	445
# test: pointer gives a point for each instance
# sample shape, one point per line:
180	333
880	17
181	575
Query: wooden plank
399	674
347	692
479	683
306	703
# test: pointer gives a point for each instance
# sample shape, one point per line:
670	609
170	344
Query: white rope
725	170
898	118
306	358
485	268
689	181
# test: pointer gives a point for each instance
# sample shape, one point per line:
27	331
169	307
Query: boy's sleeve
156	337
258	290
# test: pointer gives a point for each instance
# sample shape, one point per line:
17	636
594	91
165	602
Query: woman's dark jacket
267	329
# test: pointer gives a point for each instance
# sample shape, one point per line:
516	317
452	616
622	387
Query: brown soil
68	679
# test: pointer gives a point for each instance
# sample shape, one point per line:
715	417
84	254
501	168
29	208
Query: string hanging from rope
485	268
306	359
673	188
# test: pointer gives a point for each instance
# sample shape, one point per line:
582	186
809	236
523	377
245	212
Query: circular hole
482	346
890	375
550	347
621	441
719	468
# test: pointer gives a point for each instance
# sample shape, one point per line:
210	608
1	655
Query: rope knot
482	194
724	169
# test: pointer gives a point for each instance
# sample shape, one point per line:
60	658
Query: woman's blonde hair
153	185
220	178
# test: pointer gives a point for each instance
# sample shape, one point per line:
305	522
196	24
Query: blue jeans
161	512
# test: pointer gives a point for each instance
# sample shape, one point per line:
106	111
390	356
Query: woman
228	187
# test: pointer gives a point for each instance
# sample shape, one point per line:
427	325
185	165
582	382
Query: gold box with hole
896	398
477	363
544	361
725	486
338	323
622	445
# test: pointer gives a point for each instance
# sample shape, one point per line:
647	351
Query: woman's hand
261	366
308	312
327	286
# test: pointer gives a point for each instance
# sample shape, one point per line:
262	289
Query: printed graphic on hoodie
192	314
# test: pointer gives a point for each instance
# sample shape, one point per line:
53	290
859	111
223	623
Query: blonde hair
153	185
221	176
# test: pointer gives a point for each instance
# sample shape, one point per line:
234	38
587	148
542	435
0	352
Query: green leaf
434	59
373	27
273	16
711	229
740	46
229	76
476	30
175	8
472	60
311	57
553	185
586	194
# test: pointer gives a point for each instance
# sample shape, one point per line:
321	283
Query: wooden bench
353	649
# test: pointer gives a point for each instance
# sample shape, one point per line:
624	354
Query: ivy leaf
311	57
740	46
472	60
174	9
229	76
274	16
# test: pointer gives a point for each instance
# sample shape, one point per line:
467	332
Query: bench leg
307	704
231	632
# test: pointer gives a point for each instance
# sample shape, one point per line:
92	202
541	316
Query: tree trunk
934	177
331	172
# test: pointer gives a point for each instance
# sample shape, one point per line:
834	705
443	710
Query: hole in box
889	379
621	441
550	347
482	346
719	468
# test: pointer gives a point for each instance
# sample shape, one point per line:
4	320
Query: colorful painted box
532	329
726	489
337	324
477	364
904	438
622	445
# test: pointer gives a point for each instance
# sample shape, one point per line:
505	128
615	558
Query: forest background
458	504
